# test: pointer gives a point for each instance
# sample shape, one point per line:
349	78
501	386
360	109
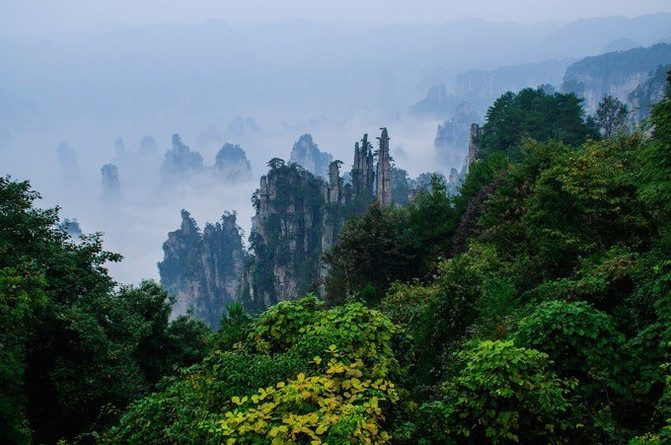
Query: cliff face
648	93
362	175
231	164
307	154
148	146
453	137
203	269
473	136
67	161
294	227
241	128
180	162
383	188
298	218
616	74
110	182
480	87
454	132
436	103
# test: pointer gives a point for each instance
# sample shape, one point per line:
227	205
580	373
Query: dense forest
534	306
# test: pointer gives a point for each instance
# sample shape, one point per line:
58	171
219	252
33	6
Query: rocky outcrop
231	164
148	146
209	137
455	179
298	216
335	192
67	161
453	137
363	174
647	94
383	176
307	154
242	128
111	186
202	270
436	103
292	229
180	162
615	74
481	87
473	140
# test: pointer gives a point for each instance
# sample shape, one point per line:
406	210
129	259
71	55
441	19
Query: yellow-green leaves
334	407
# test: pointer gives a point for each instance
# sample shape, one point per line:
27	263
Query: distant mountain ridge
616	74
217	66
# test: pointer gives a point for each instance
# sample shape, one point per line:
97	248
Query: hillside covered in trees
532	307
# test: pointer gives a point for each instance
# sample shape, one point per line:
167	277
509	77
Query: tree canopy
536	115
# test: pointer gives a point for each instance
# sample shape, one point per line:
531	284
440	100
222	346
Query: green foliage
582	341
596	199
501	218
334	407
21	297
268	374
654	166
201	393
480	174
534	114
565	252
500	394
373	249
147	308
432	220
233	326
411	306
75	350
651	345
290	236
408	305
584	344
364	333
437	315
611	116
277	328
187	341
551	322
602	280
456	311
559	205
400	186
496	308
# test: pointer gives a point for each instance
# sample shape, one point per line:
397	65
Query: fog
85	76
43	17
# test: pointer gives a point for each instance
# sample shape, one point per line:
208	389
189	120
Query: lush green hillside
535	307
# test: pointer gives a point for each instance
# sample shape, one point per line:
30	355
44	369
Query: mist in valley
73	102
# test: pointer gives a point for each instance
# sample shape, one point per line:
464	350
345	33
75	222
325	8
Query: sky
41	18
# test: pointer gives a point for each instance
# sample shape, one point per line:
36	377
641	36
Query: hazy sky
43	17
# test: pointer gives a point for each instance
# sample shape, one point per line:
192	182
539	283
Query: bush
500	393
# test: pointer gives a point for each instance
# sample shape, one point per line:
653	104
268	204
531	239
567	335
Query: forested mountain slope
534	307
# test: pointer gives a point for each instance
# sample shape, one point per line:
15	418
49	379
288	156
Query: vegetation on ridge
533	308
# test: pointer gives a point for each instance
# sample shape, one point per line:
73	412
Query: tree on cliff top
536	115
